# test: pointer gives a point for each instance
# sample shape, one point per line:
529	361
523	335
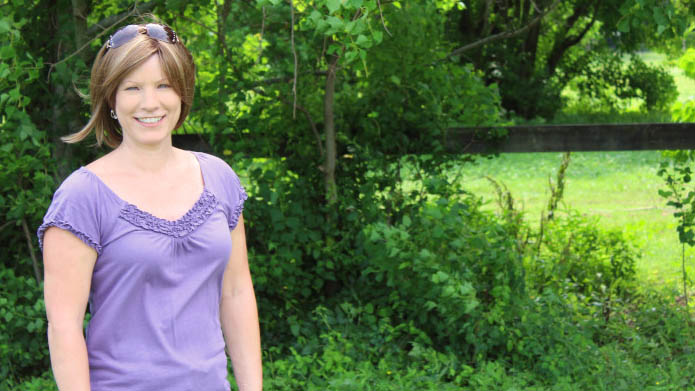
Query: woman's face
147	106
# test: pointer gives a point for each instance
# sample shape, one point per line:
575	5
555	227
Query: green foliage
24	152
42	383
452	271
404	282
575	254
609	84
22	327
538	58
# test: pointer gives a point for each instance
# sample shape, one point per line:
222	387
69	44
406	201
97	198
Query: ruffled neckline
184	225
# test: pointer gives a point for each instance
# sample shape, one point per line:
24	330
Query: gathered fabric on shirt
156	285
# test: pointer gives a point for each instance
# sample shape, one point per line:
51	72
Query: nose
150	99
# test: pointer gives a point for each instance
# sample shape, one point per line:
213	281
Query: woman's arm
68	265
239	316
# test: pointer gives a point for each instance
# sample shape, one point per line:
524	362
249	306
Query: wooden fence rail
547	138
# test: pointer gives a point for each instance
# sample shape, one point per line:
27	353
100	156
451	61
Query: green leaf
333	5
7	52
294	329
624	25
336	24
378	36
363	41
355	4
440	276
351	55
315	17
4	26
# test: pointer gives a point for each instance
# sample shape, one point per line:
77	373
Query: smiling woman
115	64
151	237
146	105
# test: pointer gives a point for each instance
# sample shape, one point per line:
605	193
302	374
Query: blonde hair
110	68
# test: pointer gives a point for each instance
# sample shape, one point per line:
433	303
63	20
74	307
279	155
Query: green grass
620	189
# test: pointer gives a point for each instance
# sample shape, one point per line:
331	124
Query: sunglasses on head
156	31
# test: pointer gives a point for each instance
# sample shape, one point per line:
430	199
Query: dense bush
451	270
22	327
608	83
575	254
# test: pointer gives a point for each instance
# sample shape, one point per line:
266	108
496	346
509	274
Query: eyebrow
135	82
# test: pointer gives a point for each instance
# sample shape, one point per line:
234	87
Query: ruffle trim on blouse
234	218
195	217
68	227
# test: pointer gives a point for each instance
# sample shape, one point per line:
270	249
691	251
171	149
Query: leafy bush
575	254
23	349
451	270
687	63
606	84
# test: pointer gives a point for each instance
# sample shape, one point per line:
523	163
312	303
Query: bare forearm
69	359
240	326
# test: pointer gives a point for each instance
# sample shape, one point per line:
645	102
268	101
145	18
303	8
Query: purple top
156	286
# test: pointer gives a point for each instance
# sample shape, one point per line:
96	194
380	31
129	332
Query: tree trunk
222	14
67	104
329	130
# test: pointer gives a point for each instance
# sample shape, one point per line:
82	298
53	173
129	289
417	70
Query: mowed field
619	189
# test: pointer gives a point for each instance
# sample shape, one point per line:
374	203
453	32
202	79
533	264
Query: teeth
149	120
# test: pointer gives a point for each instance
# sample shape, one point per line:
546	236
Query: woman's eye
131	88
164	86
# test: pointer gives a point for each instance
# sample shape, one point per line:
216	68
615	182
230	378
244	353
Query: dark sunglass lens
123	35
161	33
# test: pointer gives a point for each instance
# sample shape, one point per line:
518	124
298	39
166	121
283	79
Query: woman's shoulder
80	182
211	159
215	166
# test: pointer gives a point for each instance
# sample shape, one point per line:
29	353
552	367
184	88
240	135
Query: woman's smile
150	121
145	99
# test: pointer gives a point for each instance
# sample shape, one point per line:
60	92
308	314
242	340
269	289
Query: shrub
450	269
575	254
23	348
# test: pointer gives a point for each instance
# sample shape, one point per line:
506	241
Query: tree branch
296	63
117	22
260	38
383	22
199	23
109	22
314	129
287	79
561	46
34	261
503	35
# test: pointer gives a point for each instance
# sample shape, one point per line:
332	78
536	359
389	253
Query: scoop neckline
133	209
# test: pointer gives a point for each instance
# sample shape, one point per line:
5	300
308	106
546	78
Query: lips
149	120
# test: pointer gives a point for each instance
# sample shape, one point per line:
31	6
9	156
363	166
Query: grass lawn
618	188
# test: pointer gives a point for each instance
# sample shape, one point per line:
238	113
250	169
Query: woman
151	237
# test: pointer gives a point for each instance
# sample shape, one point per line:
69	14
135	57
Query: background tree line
334	111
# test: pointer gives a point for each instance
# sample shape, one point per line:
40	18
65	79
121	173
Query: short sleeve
74	209
236	196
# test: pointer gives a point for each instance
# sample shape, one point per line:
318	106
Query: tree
534	49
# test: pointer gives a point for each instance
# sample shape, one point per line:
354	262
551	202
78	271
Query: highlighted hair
111	66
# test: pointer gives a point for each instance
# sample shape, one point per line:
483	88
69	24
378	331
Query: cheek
172	101
124	102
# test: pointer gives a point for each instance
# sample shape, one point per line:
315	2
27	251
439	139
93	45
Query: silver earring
113	114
